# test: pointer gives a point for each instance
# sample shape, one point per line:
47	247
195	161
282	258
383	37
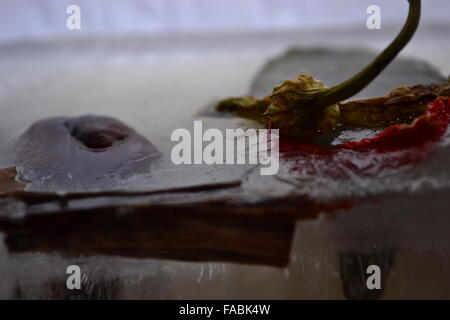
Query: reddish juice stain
398	145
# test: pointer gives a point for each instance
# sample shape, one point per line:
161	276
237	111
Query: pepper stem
359	81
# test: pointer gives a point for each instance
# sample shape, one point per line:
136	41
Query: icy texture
334	66
155	91
81	153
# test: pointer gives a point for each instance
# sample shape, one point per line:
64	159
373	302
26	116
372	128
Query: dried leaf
400	106
290	109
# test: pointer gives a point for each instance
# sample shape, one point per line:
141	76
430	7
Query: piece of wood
8	182
258	233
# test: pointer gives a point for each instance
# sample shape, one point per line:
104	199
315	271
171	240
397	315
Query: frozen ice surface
155	86
419	270
332	66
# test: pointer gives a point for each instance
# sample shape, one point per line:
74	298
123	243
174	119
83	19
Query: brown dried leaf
402	105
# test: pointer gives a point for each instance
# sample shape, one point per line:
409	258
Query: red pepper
425	130
396	146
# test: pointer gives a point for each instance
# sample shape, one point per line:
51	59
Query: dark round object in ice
81	153
97	133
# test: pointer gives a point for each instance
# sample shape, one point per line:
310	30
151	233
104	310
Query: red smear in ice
396	146
424	131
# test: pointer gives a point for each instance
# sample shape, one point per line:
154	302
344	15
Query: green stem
359	81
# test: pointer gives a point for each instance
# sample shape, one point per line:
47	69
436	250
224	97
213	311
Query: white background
41	18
